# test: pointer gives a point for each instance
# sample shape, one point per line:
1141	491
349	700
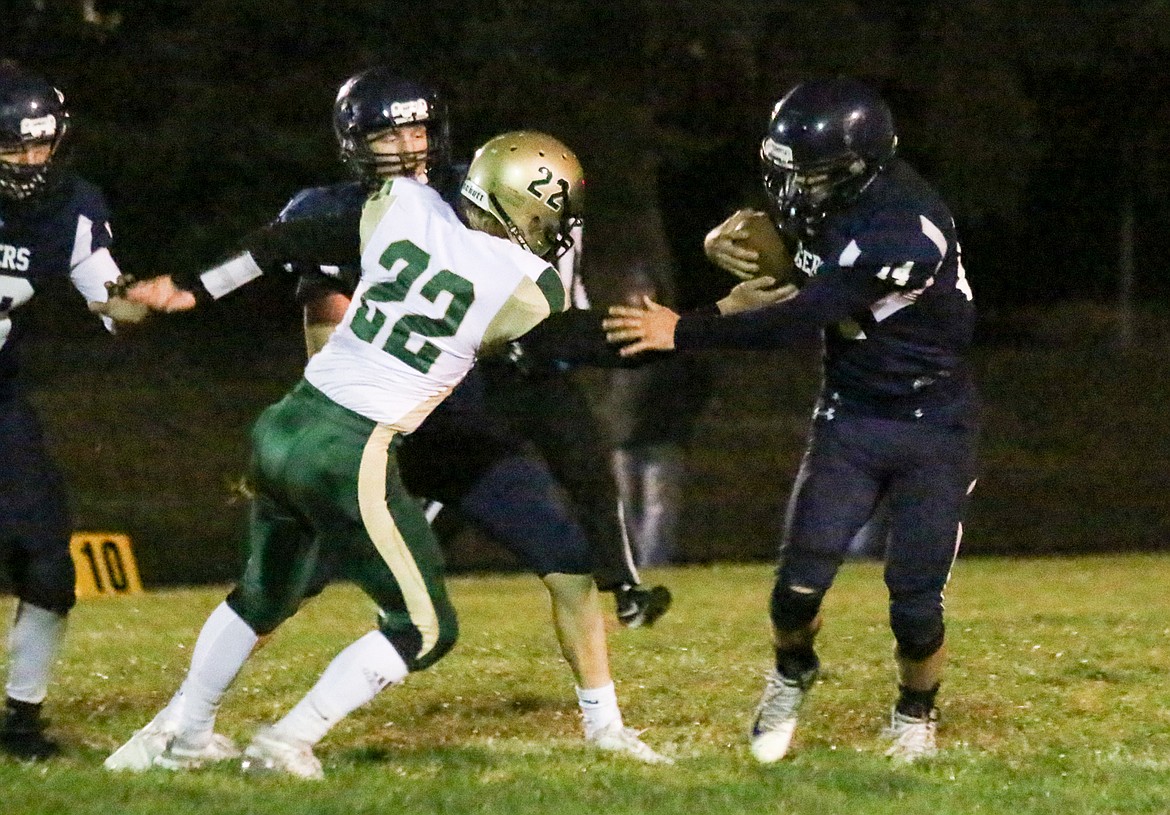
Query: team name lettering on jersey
807	262
14	258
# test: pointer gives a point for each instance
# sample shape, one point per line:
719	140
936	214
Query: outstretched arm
646	328
319	241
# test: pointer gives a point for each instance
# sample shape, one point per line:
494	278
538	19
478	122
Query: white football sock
33	643
354	677
220	652
173	710
599	707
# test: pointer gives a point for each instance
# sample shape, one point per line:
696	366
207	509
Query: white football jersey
432	294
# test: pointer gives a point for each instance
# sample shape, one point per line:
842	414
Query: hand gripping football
749	229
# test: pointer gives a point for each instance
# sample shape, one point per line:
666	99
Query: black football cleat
637	607
22	732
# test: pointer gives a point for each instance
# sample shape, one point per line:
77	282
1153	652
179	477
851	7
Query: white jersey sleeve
432	294
90	267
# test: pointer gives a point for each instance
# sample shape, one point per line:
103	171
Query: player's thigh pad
836	490
927	502
520	506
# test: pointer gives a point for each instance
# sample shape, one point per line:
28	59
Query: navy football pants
34	513
923	471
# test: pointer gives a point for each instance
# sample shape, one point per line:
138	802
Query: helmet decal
31	111
415	110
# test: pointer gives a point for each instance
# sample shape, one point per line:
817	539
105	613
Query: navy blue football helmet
375	100
32	112
827	140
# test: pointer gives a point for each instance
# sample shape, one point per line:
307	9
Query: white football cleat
141	749
179	755
912	737
616	738
272	752
776	715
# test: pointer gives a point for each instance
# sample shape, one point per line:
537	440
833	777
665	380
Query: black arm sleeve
573	337
827	299
326	240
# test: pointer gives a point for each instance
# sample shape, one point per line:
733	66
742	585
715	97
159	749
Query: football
762	236
754	229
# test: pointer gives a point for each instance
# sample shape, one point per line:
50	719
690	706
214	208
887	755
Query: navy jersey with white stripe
343	202
887	286
61	234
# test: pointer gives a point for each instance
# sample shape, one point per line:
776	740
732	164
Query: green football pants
328	493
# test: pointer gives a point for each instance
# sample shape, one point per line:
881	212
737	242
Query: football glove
120	310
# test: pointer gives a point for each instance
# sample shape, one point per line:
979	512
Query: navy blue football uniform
493	448
61	234
897	416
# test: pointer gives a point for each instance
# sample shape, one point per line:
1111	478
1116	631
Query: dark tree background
1039	122
1045	125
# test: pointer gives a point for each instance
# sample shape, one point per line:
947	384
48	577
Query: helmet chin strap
509	224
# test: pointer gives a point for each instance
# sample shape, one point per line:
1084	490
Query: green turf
1056	702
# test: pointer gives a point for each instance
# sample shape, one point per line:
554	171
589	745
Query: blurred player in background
53	227
897	417
390	128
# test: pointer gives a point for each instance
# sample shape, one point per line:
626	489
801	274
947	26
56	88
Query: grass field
1057	701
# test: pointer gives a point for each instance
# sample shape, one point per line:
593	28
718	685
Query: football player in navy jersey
897	417
466	453
54	225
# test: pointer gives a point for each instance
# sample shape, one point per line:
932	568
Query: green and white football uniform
432	295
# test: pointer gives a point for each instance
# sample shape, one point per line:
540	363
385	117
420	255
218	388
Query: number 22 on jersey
408	339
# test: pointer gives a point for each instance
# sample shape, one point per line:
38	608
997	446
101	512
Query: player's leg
516	502
581	633
281	562
552	412
927	503
34	534
392	555
649	479
835	492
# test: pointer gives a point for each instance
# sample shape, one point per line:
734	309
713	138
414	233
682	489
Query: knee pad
262	617
794	607
408	642
918	634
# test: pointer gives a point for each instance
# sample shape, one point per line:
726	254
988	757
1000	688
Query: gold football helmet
529	184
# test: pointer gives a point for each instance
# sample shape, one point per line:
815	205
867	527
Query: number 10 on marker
105	565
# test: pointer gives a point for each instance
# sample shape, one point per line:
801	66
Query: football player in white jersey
432	296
